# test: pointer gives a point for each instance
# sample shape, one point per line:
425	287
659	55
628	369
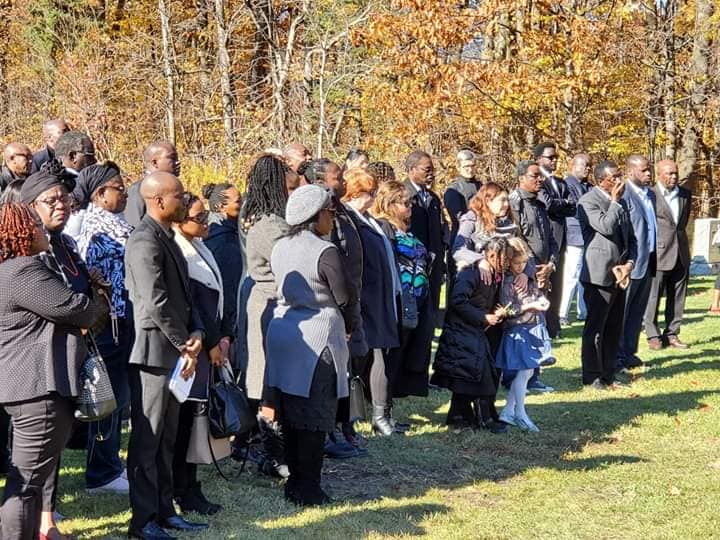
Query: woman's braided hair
267	191
215	195
17	230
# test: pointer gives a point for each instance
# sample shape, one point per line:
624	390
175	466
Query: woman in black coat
223	240
380	288
207	295
41	352
464	361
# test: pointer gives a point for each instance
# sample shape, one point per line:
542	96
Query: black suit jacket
560	204
40	157
426	223
159	287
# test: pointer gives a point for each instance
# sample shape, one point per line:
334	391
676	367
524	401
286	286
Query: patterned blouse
102	244
413	261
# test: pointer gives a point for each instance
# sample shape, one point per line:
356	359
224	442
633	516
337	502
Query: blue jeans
105	437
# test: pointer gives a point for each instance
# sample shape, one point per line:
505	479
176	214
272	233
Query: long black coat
464	353
205	303
346	238
376	298
427	225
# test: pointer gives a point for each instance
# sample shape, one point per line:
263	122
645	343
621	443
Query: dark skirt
408	366
316	412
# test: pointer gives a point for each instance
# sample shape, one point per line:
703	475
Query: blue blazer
645	261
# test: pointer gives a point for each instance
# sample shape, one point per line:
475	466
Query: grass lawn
642	462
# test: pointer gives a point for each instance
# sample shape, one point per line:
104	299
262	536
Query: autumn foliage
234	77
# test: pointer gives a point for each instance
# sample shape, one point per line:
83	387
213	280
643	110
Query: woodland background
228	78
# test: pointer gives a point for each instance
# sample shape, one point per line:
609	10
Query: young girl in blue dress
525	343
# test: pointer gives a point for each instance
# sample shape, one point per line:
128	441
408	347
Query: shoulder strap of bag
217	467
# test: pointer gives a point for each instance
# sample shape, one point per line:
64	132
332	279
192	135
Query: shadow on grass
409	466
400	520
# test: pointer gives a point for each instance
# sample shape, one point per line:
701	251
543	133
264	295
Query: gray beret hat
305	202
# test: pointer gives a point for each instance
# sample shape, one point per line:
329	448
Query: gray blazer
672	238
645	261
608	236
135	206
41	345
159	287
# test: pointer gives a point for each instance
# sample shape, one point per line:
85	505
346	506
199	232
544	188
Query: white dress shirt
672	198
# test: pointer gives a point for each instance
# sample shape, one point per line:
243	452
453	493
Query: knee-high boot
307	488
271	435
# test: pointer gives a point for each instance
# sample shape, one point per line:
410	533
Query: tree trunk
692	144
168	71
668	86
228	100
262	14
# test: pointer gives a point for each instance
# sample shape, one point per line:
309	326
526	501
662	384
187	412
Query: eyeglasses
55	201
551	158
200	219
119	189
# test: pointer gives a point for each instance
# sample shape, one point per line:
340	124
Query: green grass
643	462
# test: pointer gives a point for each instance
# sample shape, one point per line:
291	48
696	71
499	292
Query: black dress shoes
151	531
177	523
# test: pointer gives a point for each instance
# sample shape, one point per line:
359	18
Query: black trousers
41	429
154	413
552	317
673	285
601	335
4	440
184	473
304	457
636	300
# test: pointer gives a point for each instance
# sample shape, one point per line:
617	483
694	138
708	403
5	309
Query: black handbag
96	399
409	310
357	400
229	413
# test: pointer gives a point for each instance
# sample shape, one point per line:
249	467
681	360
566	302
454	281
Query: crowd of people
321	286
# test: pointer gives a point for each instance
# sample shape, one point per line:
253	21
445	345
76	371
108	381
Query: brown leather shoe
675	343
655	344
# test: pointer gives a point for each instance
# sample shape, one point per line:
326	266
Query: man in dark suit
529	212
51	132
640	202
673	258
578	182
426	222
158	156
610	250
165	329
560	204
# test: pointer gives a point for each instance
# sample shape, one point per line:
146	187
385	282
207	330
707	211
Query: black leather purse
229	413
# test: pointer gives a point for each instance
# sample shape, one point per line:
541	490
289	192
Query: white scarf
201	265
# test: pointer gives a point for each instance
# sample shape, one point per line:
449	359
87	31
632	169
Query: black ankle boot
273	463
380	423
194	501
